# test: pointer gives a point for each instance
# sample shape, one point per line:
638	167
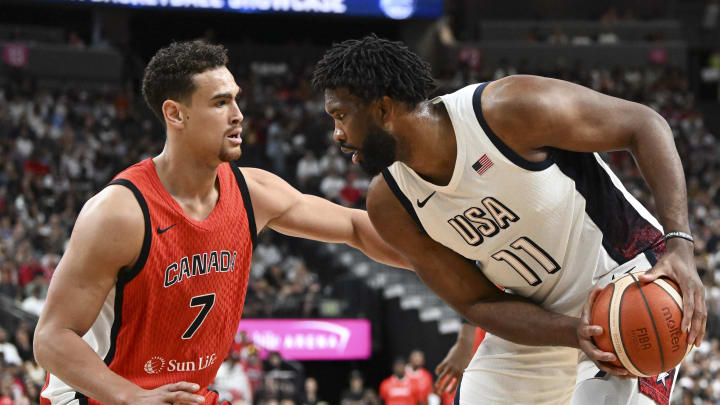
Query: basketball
641	324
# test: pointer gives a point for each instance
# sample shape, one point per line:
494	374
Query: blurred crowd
245	379
61	146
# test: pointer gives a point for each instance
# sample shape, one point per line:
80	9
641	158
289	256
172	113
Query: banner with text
395	9
311	339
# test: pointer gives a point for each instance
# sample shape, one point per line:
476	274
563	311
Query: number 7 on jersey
206	301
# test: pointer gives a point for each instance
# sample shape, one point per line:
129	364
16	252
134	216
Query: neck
183	175
426	142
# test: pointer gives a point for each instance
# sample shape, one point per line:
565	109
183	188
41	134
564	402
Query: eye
220	103
341	116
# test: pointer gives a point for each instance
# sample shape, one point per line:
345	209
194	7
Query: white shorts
506	373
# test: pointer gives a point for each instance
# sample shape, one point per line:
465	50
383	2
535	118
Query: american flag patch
482	164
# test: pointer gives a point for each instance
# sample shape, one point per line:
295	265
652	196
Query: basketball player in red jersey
145	302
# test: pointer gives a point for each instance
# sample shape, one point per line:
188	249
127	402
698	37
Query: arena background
71	116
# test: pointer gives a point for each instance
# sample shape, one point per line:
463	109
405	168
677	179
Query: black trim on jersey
125	277
218	395
456	401
242	185
499	144
650	256
401	197
140	263
625	233
81	398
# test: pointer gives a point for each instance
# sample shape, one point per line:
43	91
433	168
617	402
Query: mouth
234	136
355	152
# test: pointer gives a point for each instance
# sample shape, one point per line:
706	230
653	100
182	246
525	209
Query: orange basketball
641	324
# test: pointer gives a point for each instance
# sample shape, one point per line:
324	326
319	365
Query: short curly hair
169	74
372	67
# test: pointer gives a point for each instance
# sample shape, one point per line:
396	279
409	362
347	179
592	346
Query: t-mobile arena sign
311	339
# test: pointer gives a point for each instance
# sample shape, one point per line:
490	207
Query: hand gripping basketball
604	360
641	324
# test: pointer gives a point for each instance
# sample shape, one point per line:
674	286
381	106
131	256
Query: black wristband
678	234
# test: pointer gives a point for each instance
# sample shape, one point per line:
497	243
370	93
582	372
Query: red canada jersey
399	391
173	316
422	379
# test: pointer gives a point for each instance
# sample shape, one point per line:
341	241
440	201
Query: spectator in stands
34	302
332	184
23	344
357	394
308	171
242	346
8	350
398	389
310	397
231	381
418	374
285	376
254	371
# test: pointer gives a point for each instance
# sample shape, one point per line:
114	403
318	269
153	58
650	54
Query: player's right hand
585	332
174	393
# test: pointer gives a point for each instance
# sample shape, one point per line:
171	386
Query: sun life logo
154	365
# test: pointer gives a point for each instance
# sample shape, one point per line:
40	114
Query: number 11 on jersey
533	250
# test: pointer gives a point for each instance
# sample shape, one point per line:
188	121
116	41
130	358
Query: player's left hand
678	264
585	332
450	370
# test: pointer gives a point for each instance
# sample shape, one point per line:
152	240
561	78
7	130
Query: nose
237	116
339	135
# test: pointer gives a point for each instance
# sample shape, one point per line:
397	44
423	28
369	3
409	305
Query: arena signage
395	9
311	339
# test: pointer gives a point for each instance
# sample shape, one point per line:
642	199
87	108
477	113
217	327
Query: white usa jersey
550	231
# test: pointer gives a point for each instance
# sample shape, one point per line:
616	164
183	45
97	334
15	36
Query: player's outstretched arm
283	208
460	284
532	113
107	237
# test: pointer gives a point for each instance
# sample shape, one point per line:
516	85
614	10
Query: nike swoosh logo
614	275
159	231
423	202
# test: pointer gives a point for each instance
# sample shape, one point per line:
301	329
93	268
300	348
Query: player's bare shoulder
385	211
379	194
112	225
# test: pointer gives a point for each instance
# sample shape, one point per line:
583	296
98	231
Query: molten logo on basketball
154	365
673	328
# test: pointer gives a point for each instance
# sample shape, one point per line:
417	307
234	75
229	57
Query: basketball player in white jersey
506	175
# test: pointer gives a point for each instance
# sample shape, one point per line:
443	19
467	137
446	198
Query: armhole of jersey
499	144
125	277
82	399
401	197
242	185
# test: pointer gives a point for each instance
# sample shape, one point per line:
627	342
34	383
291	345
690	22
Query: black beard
378	151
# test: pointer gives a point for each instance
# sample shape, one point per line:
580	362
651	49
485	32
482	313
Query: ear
172	111
385	109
